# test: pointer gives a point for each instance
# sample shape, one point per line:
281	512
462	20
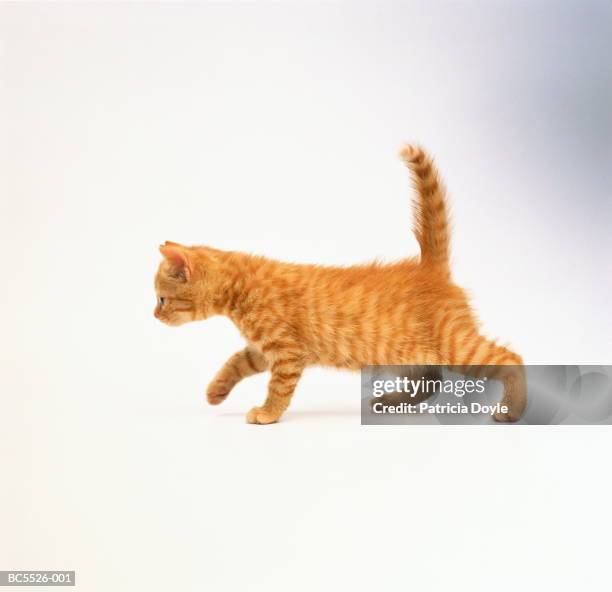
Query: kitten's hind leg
244	363
286	372
515	389
478	356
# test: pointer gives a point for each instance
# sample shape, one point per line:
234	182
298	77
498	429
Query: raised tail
430	210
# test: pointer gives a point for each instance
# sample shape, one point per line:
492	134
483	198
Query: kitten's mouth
173	322
161	319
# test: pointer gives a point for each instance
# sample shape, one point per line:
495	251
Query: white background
273	128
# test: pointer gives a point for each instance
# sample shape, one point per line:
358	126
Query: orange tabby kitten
295	316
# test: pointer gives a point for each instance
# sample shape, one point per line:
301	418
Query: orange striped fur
294	316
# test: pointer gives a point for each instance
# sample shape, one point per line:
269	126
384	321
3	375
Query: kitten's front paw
217	392
261	416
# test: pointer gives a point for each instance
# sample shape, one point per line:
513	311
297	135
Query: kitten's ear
178	257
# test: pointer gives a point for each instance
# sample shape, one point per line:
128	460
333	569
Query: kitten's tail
430	210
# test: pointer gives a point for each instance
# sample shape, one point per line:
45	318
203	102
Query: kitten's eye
161	300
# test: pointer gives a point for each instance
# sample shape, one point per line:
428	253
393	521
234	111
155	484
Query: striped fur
430	209
294	316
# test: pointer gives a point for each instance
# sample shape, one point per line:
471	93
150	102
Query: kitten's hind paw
261	416
505	417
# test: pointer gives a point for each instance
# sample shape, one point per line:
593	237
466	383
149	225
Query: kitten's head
185	284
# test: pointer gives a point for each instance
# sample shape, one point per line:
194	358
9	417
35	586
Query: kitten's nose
156	313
